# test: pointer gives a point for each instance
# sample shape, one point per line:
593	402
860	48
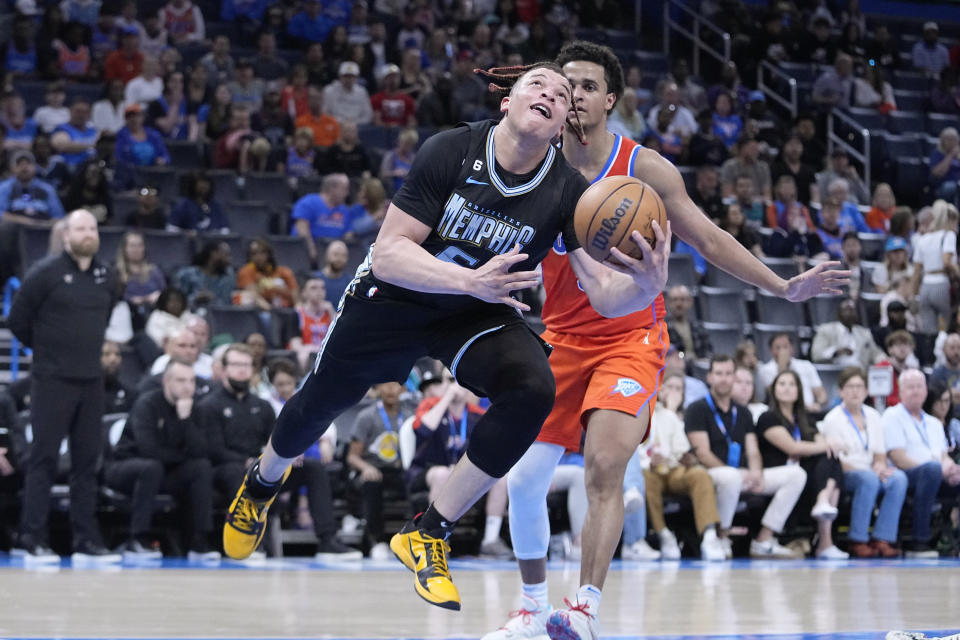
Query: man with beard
61	312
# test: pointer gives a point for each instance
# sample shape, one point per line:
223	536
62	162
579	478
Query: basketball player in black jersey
482	205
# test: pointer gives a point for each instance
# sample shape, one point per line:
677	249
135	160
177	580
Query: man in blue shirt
310	25
76	140
324	214
928	55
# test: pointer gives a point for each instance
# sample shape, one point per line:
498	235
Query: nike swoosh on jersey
472	181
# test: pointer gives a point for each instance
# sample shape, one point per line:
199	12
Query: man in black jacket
163	449
61	312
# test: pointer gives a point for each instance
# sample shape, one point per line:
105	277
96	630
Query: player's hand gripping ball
610	210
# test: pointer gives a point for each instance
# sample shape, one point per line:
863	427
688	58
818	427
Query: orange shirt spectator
125	63
326	129
884	204
295	100
263	282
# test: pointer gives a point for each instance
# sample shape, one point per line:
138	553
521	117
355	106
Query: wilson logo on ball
609	225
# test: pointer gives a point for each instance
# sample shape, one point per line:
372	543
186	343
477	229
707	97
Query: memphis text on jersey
466	222
608	226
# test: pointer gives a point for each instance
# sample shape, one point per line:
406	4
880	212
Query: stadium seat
717	277
786	268
284	325
911	100
823	309
225	187
912	177
762	333
124	204
910	81
774	309
937	122
724	336
270	188
291	251
829	373
681	271
34	245
373	137
82	90
110	238
722	305
872	245
33	92
185	154
310	184
239	322
907	121
870	309
164	179
867	118
902	145
168	250
249	219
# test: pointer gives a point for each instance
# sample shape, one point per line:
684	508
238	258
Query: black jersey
478	210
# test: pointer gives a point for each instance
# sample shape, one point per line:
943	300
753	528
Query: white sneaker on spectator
380	551
529	621
727	545
711	549
639	550
770	549
632	500
669	549
916	635
136	551
824	511
921	554
34	552
833	553
200	556
496	550
330	549
576	622
90	554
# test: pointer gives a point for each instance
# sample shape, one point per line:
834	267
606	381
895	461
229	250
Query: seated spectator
723	438
183	345
392	107
743	388
245	89
736	225
785	199
183	20
439	107
782	350
814	149
851	249
746	163
198	209
397	162
945	94
325	127
218	62
163	449
108	112
900	346
884	48
947	374
273	121
301	156
169	113
796	240
89	189
706	147
142	281
726	123
625	119
267	65
137	145
745	197
283	384
214	115
945	165
786	437
210	279
413	81
469	92
149	212
706	193
234	148
374	461
310	24
832	229
874	92
370	209
334	273
260	382
670	466
118	397
790	163
683	123
834	87
866	473
146	87
928	55
839	190
916	444
76	139
264	283
171	304
840	168
818	45
21	130
346	99
881	209
694	341
24	198
894	264
323	215
50	167
294	94
347	156
74	61
845	341
670	144
126	62
315	314
154	38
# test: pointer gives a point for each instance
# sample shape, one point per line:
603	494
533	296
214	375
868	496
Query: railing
772	90
833	139
13	284
669	23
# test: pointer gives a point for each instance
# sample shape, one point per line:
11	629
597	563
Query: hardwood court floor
302	599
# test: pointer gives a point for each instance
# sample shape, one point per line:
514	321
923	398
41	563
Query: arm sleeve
433	174
23	311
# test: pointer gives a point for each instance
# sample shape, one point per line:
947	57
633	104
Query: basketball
610	209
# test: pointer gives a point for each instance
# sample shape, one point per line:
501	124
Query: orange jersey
566	308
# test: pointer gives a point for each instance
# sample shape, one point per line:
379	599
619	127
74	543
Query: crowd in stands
163	119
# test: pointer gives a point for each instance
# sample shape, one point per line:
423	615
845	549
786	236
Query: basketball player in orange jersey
608	370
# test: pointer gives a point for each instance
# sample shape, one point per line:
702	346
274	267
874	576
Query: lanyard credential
719	420
856	429
463	427
386	418
920	426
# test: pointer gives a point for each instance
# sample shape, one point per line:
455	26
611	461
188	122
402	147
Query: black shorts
379	337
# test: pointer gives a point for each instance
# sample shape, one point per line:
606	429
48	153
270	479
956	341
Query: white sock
492	531
538	592
589	594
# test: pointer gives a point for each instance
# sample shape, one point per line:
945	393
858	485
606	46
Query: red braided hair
509	76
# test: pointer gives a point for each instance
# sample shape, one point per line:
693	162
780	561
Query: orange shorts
621	373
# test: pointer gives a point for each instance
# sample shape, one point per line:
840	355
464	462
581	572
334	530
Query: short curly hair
597	54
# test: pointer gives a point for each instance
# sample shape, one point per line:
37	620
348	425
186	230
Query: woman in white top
146	87
935	264
866	472
108	111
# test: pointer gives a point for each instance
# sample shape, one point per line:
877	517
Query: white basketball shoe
529	621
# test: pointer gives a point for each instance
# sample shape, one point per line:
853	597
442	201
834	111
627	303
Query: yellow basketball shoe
247	518
426	556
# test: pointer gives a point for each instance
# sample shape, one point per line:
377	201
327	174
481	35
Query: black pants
313	476
142	479
819	470
227	478
64	408
371	498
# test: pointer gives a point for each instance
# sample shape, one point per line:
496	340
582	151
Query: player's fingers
513	276
669	235
629	263
516	304
512	258
658	232
515	285
641	242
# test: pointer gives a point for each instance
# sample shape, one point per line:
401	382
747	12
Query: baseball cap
757	96
388	69
349	69
21	154
928	26
895	243
429	378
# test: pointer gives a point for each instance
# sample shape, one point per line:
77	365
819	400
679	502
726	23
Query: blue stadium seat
774	309
681	271
872	244
291	251
310	184
937	122
168	250
225	187
907	121
800	71
909	81
823	308
902	146
89	92
867	118
724	336
911	100
912	179
249	218
373	137
622	39
185	154
270	188
722	305
239	322
33	92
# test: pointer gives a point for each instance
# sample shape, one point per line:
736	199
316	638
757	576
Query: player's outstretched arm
626	285
399	258
719	247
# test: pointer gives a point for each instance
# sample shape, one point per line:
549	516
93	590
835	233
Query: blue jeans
866	486
634	524
924	483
